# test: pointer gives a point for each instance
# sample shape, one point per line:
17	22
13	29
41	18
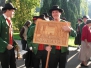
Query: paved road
72	62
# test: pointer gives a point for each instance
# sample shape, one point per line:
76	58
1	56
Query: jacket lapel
6	22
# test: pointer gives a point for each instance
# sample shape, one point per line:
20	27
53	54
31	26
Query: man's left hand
66	28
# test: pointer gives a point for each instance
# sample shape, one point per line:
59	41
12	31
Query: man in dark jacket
7	55
58	54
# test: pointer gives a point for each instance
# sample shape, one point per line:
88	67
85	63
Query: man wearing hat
85	52
34	20
58	53
38	49
78	31
7	55
30	56
84	18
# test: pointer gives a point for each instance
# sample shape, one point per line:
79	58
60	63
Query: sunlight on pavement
78	66
72	48
72	57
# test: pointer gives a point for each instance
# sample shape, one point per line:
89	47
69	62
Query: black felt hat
8	6
85	17
46	14
42	16
56	7
80	20
35	17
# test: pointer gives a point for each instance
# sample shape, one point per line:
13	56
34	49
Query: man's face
84	19
56	14
79	22
11	13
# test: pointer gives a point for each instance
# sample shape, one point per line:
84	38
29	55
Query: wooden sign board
51	33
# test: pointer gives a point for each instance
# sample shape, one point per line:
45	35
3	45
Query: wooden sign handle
47	60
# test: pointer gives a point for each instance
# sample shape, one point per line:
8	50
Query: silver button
2	47
6	27
34	47
5	38
6	32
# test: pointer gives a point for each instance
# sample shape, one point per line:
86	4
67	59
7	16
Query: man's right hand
88	46
9	47
48	48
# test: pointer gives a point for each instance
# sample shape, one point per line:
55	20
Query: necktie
10	32
78	28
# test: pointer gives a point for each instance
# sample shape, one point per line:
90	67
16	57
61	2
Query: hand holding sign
51	33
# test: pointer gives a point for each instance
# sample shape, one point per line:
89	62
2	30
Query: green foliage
78	3
16	36
55	2
47	4
84	7
45	7
64	6
73	13
25	11
71	42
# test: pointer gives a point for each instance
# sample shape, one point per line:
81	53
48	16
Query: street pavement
72	62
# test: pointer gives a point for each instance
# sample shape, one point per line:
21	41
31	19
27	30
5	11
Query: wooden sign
51	33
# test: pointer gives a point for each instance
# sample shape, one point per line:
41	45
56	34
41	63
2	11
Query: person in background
29	59
23	34
78	31
85	52
84	18
33	24
7	46
38	49
30	55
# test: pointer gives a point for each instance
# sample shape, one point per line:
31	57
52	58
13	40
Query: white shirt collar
6	16
6	20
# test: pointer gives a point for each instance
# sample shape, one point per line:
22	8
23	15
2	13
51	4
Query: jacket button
5	38
2	47
6	32
34	47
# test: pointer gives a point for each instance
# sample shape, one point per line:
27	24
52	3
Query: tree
84	7
55	2
25	11
47	4
72	14
45	7
78	3
64	6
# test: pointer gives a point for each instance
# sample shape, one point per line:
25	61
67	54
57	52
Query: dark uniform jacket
4	34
